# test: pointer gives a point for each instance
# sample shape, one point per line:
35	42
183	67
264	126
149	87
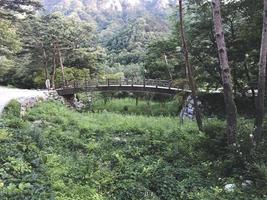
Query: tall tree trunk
230	106
236	85
54	67
189	68
61	64
45	61
261	79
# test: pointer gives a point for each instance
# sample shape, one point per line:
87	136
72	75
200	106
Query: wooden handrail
119	82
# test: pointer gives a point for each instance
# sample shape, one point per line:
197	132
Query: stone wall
29	102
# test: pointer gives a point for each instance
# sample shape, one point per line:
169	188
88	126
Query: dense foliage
133	147
56	152
142	47
143	106
243	26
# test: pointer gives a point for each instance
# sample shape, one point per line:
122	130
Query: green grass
62	154
128	106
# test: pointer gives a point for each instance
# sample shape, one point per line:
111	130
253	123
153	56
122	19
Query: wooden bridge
165	87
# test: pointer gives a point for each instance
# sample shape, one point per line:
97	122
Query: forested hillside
111	16
134	99
146	44
124	27
120	31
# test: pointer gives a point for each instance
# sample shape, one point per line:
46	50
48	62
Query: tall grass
147	108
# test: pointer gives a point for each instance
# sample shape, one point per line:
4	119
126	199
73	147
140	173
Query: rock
26	103
29	102
230	187
246	183
52	95
188	110
37	122
119	140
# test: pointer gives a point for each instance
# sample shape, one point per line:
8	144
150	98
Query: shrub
12	109
215	143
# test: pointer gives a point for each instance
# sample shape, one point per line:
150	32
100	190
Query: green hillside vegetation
134	145
127	48
56	152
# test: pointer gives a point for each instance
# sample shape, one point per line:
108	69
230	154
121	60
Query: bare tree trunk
61	63
258	126
189	68
54	67
230	106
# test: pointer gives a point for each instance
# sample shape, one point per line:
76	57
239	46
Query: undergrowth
129	106
56	153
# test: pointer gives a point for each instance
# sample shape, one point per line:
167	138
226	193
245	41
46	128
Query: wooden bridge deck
147	85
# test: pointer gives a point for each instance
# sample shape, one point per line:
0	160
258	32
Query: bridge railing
139	82
87	83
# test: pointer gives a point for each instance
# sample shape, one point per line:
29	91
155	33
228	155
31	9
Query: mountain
85	7
124	27
110	16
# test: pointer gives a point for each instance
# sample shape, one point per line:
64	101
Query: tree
230	106
127	47
58	42
261	79
9	40
242	21
189	68
9	8
9	45
157	53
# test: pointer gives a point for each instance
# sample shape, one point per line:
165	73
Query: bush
215	143
22	171
12	109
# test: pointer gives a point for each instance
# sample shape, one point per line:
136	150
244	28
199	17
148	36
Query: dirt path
7	94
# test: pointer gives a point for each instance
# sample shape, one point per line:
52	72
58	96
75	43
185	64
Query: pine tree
230	106
261	79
